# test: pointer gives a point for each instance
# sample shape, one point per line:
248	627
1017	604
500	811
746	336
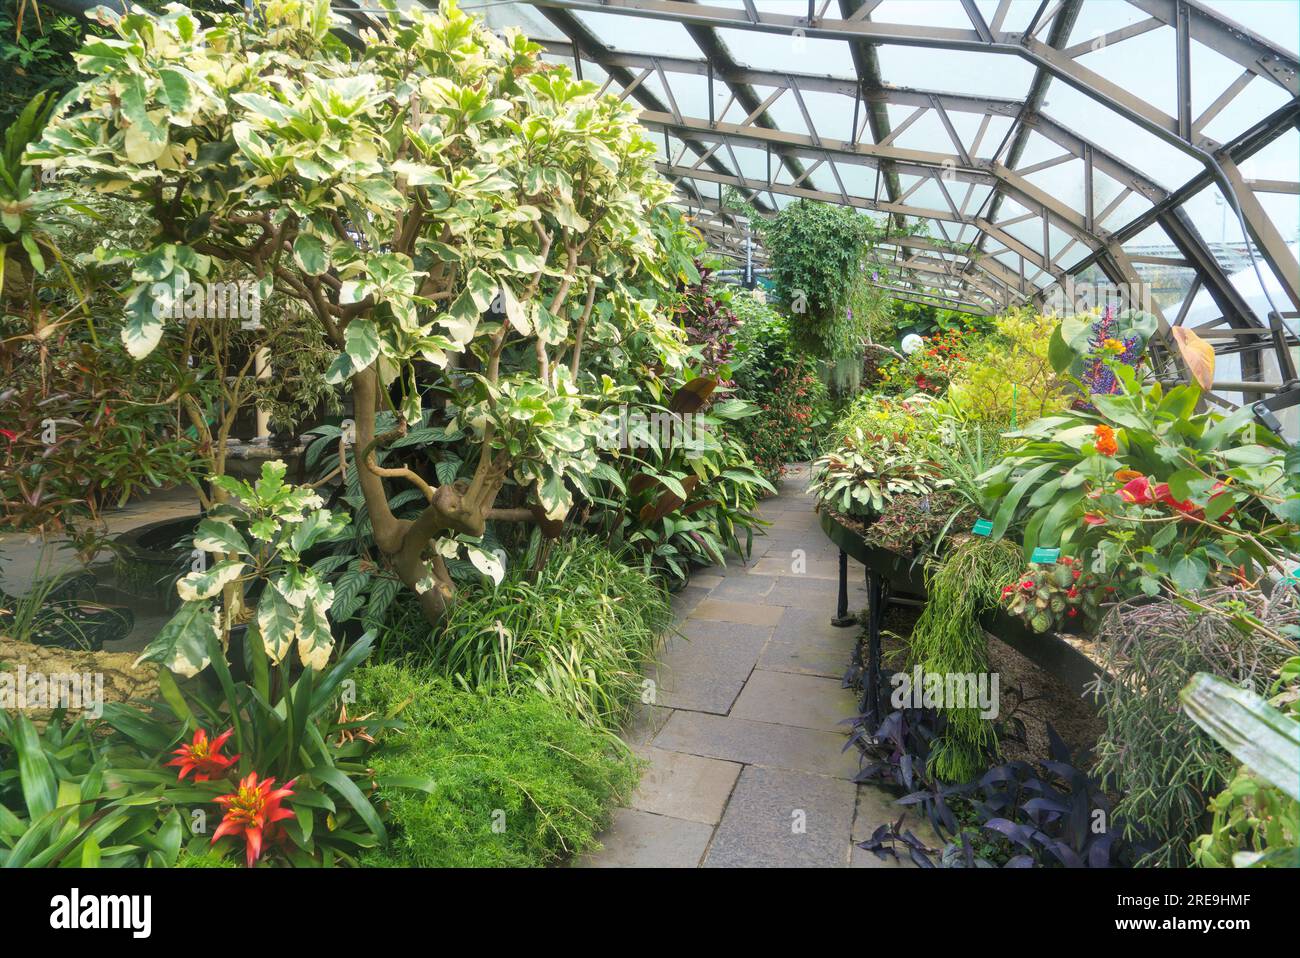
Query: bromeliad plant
442	197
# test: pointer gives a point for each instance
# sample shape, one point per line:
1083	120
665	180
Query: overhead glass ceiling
1145	144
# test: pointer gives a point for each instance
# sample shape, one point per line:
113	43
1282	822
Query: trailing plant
817	253
863	474
948	639
1165	768
579	633
520	782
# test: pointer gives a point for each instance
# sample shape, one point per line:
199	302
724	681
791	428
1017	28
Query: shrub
1008	377
786	429
520	782
579	633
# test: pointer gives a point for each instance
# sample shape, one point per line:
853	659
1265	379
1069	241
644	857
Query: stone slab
742	613
684	786
758	743
783	819
801	701
638	839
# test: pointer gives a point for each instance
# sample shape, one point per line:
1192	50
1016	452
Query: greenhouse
650	434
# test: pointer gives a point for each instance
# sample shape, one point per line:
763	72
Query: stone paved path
746	743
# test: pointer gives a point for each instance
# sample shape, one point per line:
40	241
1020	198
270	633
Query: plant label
1045	556
983	527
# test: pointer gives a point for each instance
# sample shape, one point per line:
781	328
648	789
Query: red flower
9	434
1137	491
1072	612
253	811
1073	592
204	758
1027	585
1094	519
1185	506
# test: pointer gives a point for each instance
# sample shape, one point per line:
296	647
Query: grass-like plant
521	783
948	639
580	632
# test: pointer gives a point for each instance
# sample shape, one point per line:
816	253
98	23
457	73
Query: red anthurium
203	757
253	811
1185	506
1094	519
1137	491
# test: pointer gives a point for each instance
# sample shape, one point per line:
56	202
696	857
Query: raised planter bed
1063	656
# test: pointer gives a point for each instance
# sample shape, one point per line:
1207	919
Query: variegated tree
441	201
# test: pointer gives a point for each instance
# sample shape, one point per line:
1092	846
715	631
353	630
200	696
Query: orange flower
253	812
1106	444
203	757
1127	475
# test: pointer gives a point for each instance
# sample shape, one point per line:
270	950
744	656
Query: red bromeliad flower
203	757
253	811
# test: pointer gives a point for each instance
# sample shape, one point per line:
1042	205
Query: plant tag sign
1047	556
983	527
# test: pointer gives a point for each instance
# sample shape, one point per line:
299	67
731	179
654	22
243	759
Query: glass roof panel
641	34
932	14
1279	22
956	71
784	53
1143	63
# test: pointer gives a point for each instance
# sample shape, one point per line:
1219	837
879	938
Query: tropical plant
1149	493
1162	765
1089	347
1257	816
1008	378
1055	597
506	183
817	253
862	475
68	798
261	537
704	313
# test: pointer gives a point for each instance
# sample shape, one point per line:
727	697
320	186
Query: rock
85	680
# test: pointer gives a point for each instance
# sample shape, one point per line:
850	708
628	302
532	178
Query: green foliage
520	783
1008	378
817	253
1257	817
1152	754
1183	499
68	799
579	633
948	639
914	524
862	475
771	372
262	540
36	47
1055	597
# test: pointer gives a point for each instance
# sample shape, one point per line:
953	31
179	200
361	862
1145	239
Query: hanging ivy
817	253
